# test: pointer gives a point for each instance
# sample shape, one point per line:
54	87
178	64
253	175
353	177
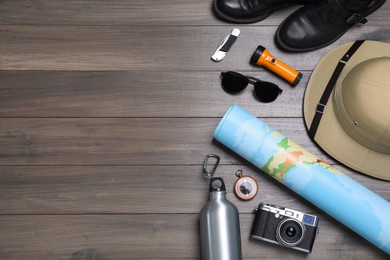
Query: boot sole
229	18
284	47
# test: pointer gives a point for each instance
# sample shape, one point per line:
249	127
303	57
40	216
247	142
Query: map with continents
315	180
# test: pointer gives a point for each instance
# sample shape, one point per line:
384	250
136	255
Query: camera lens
290	232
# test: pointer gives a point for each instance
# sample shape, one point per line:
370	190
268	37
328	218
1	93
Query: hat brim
330	136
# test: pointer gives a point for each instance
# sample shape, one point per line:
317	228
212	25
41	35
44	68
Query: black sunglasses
234	82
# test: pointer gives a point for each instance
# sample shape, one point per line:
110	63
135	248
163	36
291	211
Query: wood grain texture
123	12
138	189
123	141
100	48
107	109
137	94
146	235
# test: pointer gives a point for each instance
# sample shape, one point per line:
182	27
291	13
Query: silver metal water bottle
220	225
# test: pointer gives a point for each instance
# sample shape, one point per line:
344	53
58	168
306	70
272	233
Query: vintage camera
285	227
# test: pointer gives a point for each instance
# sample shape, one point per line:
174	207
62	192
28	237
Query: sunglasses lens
266	91
234	82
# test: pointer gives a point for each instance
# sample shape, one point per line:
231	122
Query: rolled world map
346	200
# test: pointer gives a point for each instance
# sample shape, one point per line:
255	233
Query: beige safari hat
347	106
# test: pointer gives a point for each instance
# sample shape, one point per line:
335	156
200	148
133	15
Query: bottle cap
217	184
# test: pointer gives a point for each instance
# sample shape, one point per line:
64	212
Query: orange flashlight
262	57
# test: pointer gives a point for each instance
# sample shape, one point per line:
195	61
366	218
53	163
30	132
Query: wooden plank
166	236
122	12
123	141
138	189
149	47
107	110
136	94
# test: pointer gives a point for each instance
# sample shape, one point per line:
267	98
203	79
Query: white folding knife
225	45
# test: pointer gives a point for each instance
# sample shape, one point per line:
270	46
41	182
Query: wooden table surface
107	111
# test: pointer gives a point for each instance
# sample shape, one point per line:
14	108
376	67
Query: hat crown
362	103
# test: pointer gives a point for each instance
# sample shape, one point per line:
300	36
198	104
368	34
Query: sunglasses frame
257	83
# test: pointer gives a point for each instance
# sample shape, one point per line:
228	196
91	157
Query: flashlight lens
234	82
266	91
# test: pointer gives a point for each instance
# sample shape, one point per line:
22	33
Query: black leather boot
250	11
319	24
